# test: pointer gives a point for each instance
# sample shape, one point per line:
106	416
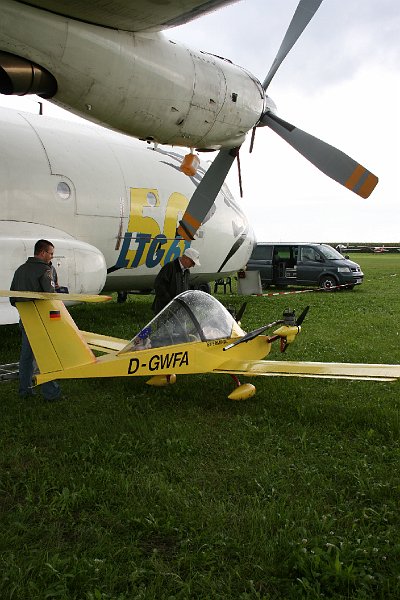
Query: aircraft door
81	155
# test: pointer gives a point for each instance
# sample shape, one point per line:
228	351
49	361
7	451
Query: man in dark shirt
34	276
173	278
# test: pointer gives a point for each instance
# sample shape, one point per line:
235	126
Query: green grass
130	492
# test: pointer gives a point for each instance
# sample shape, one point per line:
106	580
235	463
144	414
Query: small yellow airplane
194	333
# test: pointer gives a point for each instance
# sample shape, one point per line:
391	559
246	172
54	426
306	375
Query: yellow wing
104	343
55	296
280	368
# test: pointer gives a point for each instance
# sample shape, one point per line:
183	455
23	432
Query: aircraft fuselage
109	203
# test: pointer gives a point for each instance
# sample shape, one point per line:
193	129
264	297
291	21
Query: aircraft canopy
193	316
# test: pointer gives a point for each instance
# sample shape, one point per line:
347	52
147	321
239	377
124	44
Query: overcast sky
341	83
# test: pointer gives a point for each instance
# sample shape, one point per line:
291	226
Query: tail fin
53	335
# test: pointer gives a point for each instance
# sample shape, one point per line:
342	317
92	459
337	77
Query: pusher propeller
236	315
240	312
253	334
290	328
302	316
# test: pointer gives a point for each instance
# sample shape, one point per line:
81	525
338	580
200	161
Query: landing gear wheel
203	287
121	297
327	283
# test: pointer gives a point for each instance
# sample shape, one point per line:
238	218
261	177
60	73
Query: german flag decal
55	314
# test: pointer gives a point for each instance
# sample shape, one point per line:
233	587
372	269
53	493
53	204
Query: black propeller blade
289	319
302	316
240	312
252	334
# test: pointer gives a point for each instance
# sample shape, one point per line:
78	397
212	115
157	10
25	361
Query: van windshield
330	253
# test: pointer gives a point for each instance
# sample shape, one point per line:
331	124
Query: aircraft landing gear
243	391
161	380
121	297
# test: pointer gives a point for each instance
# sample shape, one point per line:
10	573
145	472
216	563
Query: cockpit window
193	316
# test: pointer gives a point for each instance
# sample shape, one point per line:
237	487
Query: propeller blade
205	193
305	11
302	316
252	334
331	161
240	312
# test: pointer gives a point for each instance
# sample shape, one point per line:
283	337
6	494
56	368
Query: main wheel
327	282
203	287
121	297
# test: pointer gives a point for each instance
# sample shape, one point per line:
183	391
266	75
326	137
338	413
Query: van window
283	252
286	255
261	253
308	253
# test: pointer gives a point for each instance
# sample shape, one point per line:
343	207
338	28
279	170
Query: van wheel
328	282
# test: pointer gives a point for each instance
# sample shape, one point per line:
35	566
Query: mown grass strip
127	492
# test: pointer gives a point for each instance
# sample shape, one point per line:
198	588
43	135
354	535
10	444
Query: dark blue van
303	264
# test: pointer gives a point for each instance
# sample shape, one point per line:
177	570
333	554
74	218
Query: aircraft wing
104	343
280	368
137	15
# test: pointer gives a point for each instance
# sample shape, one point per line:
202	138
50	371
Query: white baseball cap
193	255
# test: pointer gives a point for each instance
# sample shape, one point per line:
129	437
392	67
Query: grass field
129	492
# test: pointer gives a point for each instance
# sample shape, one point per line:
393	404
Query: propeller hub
289	317
269	105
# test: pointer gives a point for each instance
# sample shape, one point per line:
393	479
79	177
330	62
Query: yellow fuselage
184	359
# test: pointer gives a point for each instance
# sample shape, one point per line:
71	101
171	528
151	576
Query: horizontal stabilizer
371	372
55	296
104	343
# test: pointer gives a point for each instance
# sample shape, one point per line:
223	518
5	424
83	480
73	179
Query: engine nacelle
144	85
19	76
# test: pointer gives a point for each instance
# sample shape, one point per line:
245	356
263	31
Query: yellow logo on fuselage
144	243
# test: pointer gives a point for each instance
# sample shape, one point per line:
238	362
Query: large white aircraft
110	205
109	62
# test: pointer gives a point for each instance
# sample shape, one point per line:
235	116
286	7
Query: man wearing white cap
174	278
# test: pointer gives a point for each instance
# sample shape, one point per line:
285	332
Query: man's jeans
50	390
